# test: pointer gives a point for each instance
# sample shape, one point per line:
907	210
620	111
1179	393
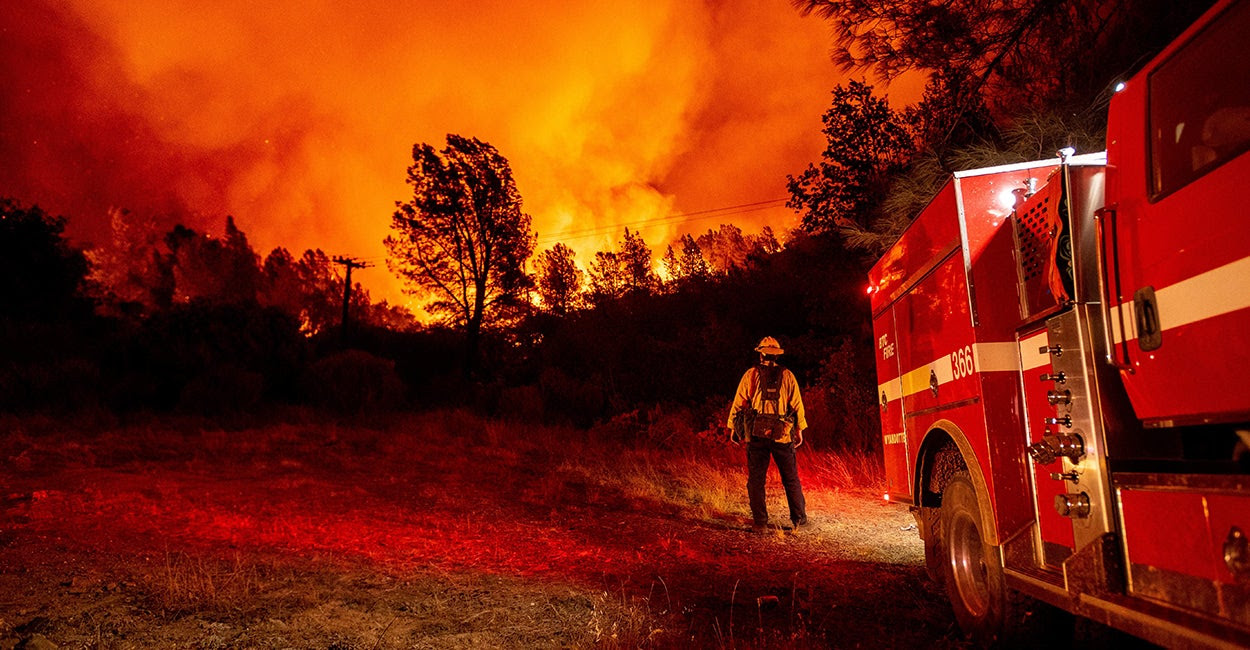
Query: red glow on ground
397	501
442	495
384	514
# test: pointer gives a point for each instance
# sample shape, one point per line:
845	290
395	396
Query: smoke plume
298	118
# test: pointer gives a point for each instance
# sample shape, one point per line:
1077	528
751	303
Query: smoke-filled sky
298	117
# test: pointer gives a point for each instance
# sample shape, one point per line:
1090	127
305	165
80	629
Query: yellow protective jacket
749	395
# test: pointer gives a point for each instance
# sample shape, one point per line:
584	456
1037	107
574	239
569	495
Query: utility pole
350	263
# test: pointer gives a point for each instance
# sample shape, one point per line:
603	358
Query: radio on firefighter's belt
774	425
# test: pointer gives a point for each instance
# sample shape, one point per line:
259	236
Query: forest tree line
189	322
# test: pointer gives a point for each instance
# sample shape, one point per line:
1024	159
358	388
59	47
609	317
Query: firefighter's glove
798	438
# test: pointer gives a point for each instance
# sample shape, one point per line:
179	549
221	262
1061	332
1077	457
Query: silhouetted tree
949	115
559	280
463	238
866	143
203	267
724	248
728	248
625	271
765	243
41	275
688	265
47	328
607	277
309	289
1018	54
635	259
395	318
126	269
240	264
281	286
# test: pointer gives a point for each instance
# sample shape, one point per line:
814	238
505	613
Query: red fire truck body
1061	357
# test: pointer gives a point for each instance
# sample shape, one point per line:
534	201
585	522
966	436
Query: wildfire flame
299	118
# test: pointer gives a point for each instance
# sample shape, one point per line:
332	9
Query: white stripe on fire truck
987	357
892	389
996	357
1217	292
1030	358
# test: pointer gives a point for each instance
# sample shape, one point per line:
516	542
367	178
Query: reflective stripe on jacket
749	394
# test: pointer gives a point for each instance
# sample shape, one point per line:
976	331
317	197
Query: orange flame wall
298	117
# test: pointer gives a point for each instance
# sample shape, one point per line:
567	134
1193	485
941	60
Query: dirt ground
439	531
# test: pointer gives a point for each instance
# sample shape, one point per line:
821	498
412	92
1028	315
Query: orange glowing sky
298	118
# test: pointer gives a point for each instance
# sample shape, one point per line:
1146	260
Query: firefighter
767	413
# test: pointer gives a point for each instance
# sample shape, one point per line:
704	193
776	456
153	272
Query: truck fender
944	433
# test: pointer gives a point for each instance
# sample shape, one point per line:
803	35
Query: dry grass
439	530
711	481
195	583
267	602
845	471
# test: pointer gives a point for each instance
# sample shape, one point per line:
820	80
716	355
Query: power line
725	211
671	219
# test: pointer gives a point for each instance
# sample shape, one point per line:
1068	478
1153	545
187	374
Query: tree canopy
867	142
1008	81
559	280
688	264
41	275
1021	54
463	239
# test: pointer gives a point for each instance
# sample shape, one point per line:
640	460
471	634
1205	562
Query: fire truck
1063	366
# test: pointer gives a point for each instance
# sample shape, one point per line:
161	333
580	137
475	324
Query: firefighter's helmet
769	345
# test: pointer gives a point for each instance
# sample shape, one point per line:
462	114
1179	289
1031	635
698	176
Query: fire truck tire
934	551
985	608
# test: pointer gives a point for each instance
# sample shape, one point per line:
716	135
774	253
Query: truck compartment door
1185	541
1175	232
890	402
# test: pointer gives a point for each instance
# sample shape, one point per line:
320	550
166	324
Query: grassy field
437	530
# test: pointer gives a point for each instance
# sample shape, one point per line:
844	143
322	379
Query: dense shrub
569	400
354	382
40	273
53	385
159	357
521	403
842	410
222	390
667	426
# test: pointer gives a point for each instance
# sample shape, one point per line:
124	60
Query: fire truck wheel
934	560
973	572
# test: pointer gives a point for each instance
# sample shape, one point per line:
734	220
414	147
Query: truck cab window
1200	104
